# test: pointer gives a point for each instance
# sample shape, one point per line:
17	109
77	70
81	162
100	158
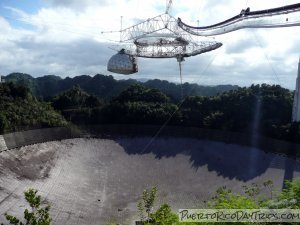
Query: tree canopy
106	87
20	110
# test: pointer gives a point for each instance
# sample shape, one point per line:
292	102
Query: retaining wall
23	138
3	146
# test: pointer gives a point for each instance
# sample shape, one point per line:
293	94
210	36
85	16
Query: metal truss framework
153	25
165	27
153	51
171	41
285	16
163	36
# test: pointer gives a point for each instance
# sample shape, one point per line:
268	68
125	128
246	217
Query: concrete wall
23	138
3	146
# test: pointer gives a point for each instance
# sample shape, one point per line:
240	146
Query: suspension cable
180	72
177	109
266	56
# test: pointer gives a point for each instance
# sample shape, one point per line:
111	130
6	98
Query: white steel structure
158	37
164	36
296	104
285	16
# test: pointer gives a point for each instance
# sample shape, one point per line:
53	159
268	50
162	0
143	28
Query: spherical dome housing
122	63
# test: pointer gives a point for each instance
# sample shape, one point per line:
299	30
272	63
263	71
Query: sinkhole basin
100	180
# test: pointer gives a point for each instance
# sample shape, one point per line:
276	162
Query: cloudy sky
63	37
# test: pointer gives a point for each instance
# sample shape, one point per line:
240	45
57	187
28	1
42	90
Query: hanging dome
122	63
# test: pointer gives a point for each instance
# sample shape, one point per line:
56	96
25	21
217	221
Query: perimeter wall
29	137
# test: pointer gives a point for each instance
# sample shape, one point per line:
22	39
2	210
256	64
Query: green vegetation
24	80
77	106
73	99
245	110
37	215
139	93
20	110
146	203
106	87
253	198
139	105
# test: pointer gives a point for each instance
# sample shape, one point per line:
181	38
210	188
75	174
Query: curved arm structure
284	16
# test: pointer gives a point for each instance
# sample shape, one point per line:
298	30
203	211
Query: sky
64	37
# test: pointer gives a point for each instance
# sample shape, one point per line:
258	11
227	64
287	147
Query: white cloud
67	40
76	4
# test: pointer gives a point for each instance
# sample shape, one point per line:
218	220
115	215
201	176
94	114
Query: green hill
245	110
106	87
20	110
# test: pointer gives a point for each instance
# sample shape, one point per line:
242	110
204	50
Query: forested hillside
20	110
106	87
259	109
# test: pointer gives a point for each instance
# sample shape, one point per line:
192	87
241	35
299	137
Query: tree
20	110
146	203
3	123
139	93
73	98
164	216
226	199
37	215
289	197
